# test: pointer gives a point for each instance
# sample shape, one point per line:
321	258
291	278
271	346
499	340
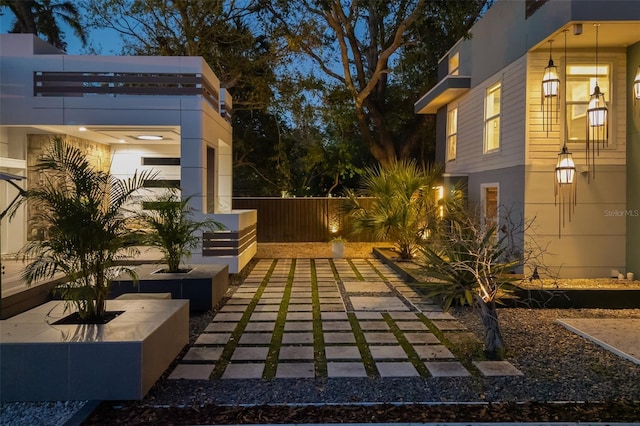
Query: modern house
127	114
500	130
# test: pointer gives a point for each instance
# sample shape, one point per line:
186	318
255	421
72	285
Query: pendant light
565	176
550	94
597	121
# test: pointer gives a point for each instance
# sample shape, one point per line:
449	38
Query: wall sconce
597	120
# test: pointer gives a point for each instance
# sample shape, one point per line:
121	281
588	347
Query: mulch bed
132	414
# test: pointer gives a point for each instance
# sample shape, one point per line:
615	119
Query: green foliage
468	259
171	228
40	18
405	209
87	233
360	46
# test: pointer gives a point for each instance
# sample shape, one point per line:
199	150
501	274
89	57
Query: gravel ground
557	365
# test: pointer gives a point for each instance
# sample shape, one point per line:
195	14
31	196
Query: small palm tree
404	209
171	228
87	236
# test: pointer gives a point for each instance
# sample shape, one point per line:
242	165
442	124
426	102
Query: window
160	161
581	81
452	133
489	198
454	64
492	119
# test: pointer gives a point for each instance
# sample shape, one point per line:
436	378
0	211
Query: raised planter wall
120	360
204	286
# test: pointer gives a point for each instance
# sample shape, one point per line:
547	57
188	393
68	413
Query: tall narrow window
211	179
490	201
452	134
492	119
581	81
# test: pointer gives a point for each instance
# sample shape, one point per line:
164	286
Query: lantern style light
550	94
565	188
597	121
565	177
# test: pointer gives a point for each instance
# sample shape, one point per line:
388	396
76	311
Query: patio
326	318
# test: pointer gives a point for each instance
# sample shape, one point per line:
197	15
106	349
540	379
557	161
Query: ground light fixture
550	94
597	121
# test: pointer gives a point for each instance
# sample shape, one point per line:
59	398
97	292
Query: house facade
127	114
500	135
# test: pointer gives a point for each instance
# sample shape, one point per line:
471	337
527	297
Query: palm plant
404	209
41	16
87	235
171	228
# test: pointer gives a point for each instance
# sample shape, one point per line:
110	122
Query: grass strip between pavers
468	363
318	335
355	270
271	363
227	352
414	358
363	347
380	274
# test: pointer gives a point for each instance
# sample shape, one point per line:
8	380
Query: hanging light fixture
597	120
550	92
566	187
565	176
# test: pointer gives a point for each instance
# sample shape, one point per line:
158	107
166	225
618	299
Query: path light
597	120
550	92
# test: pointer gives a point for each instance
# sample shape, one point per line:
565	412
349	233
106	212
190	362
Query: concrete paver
375	308
396	369
497	368
346	369
192	372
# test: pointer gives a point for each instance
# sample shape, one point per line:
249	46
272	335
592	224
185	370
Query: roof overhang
447	90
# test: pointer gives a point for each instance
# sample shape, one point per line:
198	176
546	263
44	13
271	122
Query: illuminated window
490	198
492	119
581	81
454	64
452	134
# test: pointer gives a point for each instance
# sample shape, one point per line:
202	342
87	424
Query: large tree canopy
361	45
217	30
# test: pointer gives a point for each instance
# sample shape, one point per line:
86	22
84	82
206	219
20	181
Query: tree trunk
494	345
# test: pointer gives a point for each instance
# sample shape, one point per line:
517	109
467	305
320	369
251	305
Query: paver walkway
306	318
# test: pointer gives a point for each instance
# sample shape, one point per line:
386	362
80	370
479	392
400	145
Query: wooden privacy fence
308	219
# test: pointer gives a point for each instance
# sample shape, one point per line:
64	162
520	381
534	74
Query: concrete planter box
120	360
203	285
